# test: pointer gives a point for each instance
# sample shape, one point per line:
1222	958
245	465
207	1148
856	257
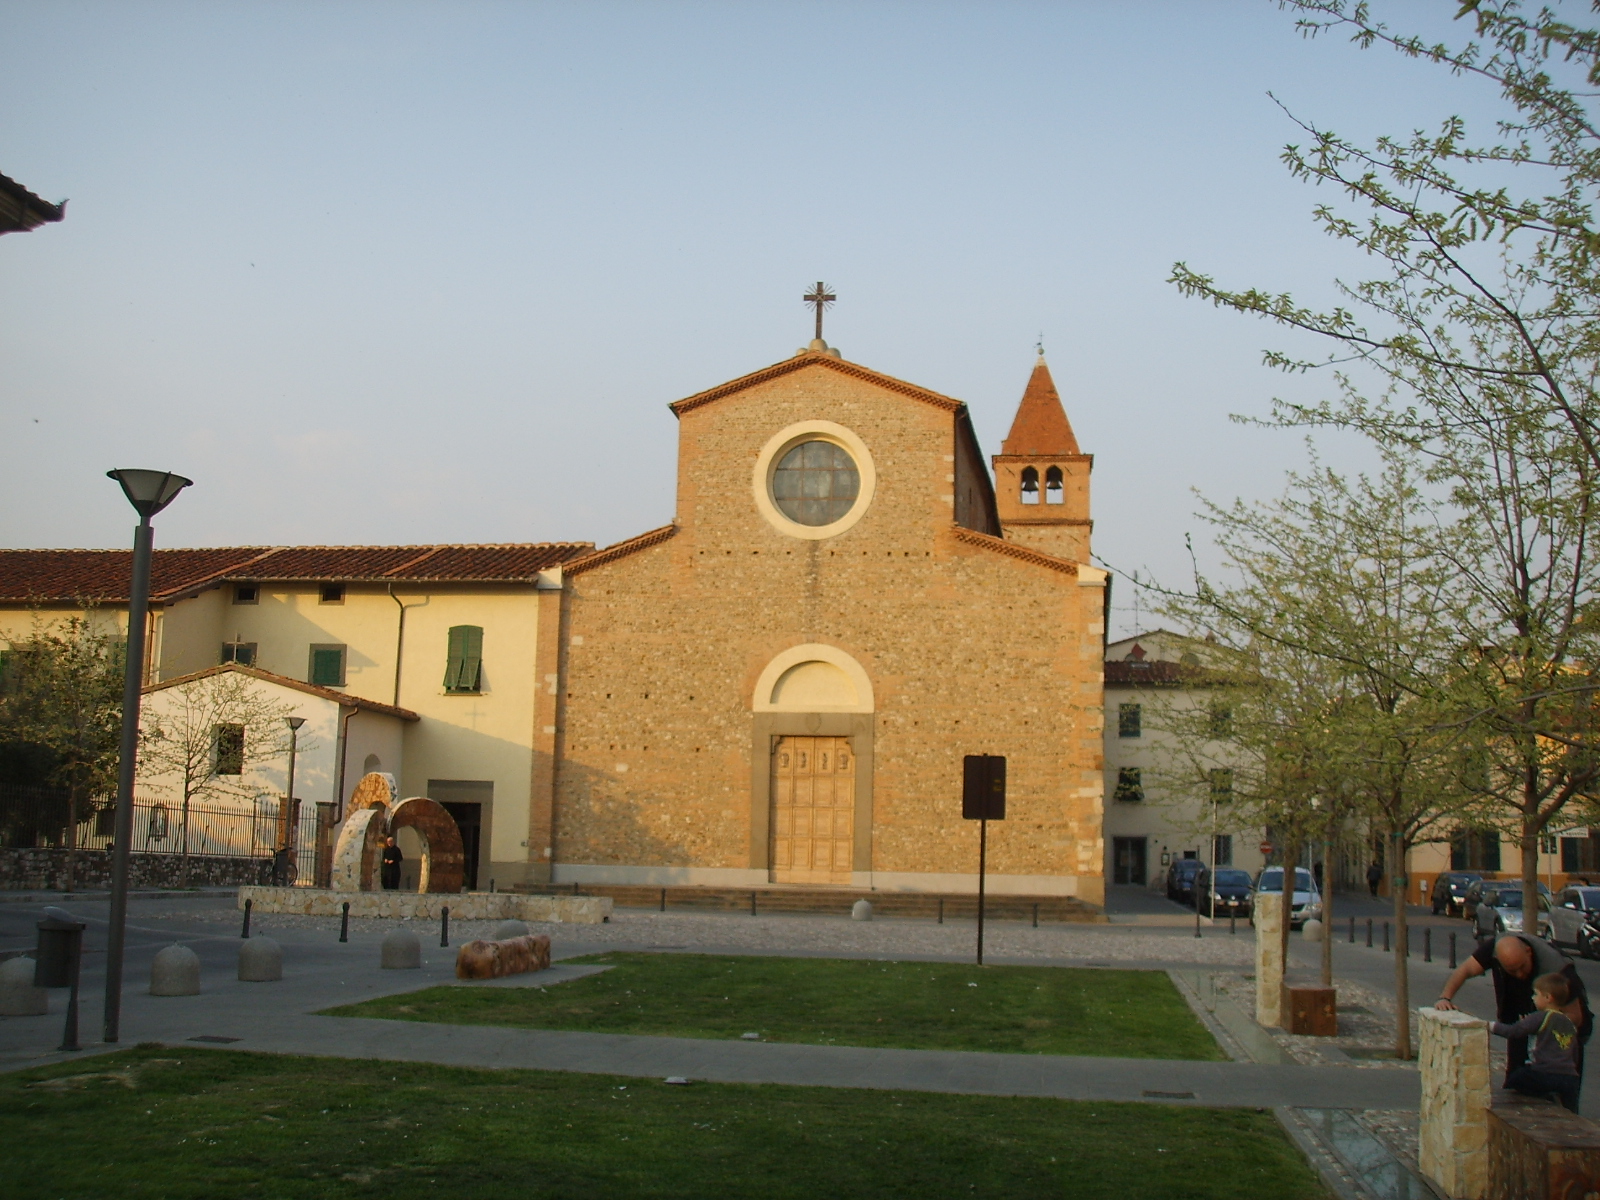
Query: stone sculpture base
416	906
493	960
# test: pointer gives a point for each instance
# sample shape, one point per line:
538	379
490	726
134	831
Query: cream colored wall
19	623
372	733
190	633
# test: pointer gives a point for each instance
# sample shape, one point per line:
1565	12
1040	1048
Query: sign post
983	799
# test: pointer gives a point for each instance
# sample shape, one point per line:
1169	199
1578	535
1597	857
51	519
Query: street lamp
286	819
149	492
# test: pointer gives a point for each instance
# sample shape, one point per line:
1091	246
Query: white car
1307	900
1575	920
1500	911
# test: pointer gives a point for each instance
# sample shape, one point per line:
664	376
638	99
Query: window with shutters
464	666
1129	786
243	653
227	742
327	666
1130	720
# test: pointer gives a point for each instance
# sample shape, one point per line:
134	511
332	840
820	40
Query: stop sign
1266	847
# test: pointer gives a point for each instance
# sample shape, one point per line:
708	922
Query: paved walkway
320	972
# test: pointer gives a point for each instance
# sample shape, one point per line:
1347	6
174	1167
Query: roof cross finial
1041	343
819	298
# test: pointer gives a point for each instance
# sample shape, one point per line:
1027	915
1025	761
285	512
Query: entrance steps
836	901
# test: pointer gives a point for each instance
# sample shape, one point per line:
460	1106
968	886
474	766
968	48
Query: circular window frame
787	439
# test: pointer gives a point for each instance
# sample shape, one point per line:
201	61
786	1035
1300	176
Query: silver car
1500	911
1307	900
1575	920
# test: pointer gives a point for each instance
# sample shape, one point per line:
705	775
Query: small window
1221	785
1222	850
327	666
228	742
1030	485
1053	493
1129	787
1220	721
332	593
1130	720
243	653
246	593
464	665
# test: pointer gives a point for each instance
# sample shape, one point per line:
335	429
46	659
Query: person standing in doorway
1374	878
392	858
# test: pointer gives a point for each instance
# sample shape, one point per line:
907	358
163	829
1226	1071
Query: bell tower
1041	478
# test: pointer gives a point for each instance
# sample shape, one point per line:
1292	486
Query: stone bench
1538	1149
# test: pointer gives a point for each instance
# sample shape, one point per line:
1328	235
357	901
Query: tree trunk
1327	912
1530	875
1399	884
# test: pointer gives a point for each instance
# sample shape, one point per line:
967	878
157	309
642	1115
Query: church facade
779	687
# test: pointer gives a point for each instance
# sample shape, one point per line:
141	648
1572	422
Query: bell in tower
1041	479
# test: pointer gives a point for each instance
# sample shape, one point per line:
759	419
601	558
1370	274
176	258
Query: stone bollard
401	951
513	928
1268	916
861	910
1453	1140
1311	931
260	960
18	996
176	972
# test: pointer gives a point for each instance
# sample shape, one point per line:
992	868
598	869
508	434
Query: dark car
1225	891
1450	892
1180	879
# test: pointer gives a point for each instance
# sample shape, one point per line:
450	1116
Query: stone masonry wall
45	870
969	650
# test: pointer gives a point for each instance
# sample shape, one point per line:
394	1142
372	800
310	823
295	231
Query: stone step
838	900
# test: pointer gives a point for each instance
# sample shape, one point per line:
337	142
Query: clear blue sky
391	272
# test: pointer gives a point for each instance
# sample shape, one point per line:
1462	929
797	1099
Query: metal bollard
1452	948
1233	922
1352	931
444	925
245	932
1386	937
491	886
1427	944
663	899
752	904
344	923
1036	916
941	910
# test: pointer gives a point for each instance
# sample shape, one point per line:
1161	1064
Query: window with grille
1130	719
327	666
816	484
243	653
1222	850
464	662
1221	784
1129	786
228	744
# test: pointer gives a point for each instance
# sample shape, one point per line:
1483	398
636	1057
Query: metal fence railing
41	818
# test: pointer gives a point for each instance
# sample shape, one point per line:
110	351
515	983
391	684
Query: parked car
1180	879
1469	902
1226	891
1575	920
1307	900
1450	891
1500	911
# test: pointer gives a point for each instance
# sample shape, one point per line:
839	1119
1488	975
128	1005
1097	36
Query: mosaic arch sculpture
375	814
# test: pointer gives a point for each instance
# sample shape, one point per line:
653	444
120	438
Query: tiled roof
103	576
21	210
1152	673
311	689
811	358
621	549
1041	426
1012	550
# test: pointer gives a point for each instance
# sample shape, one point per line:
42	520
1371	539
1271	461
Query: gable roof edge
1011	550
618	550
814	359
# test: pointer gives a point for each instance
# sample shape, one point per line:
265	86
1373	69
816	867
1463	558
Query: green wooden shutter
464	663
327	666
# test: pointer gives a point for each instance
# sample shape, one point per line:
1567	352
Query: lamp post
149	492
286	820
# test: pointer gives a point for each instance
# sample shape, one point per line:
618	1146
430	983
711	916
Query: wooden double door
813	810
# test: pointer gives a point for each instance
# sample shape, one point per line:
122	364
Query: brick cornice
816	359
621	550
1012	550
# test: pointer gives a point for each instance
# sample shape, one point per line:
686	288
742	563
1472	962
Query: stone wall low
464	906
46	870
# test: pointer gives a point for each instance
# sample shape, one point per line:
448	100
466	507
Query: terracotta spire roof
1041	425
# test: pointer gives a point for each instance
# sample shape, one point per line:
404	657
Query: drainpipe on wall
344	751
400	637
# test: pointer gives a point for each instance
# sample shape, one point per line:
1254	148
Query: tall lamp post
287	820
149	492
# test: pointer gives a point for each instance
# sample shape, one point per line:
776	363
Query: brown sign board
983	787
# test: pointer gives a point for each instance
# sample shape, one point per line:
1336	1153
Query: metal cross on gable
819	298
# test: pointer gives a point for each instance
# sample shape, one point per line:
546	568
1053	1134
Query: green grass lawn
179	1123
839	1002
